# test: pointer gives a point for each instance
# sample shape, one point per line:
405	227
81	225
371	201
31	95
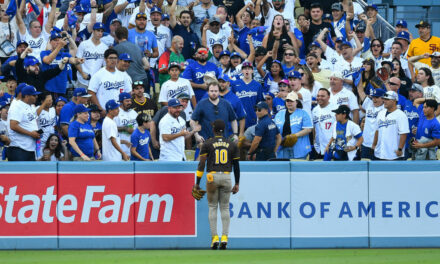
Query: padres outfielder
221	155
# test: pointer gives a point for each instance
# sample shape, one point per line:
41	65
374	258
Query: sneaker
224	242
215	242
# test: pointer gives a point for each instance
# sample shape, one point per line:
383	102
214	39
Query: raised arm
92	16
19	17
173	14
51	18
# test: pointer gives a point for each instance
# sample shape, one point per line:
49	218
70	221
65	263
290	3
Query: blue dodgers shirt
250	94
84	135
267	130
427	128
57	84
300	37
66	112
206	113
413	118
145	41
278	104
140	141
194	72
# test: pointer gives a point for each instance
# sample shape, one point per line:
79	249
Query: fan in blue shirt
140	139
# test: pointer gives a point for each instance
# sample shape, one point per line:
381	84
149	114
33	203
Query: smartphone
40	131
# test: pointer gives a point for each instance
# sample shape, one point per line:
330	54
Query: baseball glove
240	141
289	141
197	193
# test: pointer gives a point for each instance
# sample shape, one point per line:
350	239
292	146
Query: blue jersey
278	104
194	72
7	69
286	69
57	84
84	135
427	128
267	130
413	118
299	36
206	113
250	94
140	141
97	127
145	41
66	113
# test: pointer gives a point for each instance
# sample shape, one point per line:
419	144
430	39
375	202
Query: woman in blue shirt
82	140
140	139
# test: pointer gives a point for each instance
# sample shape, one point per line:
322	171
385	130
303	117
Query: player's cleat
224	242
215	242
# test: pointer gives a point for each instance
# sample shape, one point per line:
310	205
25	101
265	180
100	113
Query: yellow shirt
420	47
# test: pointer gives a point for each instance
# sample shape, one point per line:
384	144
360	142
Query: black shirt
314	31
221	153
190	40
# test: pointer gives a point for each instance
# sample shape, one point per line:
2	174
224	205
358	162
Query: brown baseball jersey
221	153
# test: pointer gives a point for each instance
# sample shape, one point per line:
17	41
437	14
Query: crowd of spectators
144	80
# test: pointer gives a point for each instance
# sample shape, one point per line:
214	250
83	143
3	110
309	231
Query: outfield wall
140	205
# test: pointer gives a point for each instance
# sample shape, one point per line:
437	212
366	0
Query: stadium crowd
145	79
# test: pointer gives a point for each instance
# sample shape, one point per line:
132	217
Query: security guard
267	136
221	155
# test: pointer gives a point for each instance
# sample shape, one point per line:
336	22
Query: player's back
220	154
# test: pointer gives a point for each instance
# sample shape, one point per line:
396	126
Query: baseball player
221	155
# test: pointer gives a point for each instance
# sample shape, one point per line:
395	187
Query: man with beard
194	72
142	104
425	43
211	109
190	39
145	39
323	120
8	68
173	55
126	121
28	70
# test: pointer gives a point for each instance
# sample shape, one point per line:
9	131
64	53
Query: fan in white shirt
304	94
430	90
111	142
162	33
212	34
126	121
323	120
341	96
108	82
125	9
46	120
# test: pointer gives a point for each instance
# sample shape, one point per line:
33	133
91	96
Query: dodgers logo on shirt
372	114
177	91
144	141
31	116
175	130
213	40
126	122
386	123
411	115
201	74
325	117
295	120
92	55
35	45
113	85
243	94
46	122
342	100
85	130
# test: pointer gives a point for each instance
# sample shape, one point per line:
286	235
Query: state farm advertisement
94	204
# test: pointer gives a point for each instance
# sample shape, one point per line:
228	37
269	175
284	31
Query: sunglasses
203	52
268	98
138	83
391	83
289	54
376	45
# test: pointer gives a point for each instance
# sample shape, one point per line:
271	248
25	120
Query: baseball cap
55	35
165	16
388	63
378	92
30	61
314	44
94	108
125	57
80	109
29	90
286	82
371	6
292	96
224	77
98	25
337	6
214	19
155	9
224	53
260	50
60	98
183	96
123	96
262	105
174	102
336	74
346	43
294	74
3	104
269	94
339	39
247	64
111	104
402	23
435	54
423	23
327	16
141	15
391	95
22	42
342	109
235	54
216	43
81	92
219	125
19	88
115	20
361	27
174	64
417	87
403	35
80	9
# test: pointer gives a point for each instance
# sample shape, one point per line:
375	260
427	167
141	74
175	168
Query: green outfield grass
326	256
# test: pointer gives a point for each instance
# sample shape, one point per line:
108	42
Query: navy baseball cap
155	9
235	54
174	64
125	57
98	25
225	53
346	43
174	102
165	16
81	92
19	88
94	108
224	77
327	16
29	90
262	105
361	27
402	23
403	35
294	74
55	35
123	96
80	109
22	42
80	9
423	23
342	109
30	61
110	105
378	93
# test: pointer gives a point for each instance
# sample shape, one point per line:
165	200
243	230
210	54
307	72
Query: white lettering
48	198
34	208
89	203
61	207
156	200
112	207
